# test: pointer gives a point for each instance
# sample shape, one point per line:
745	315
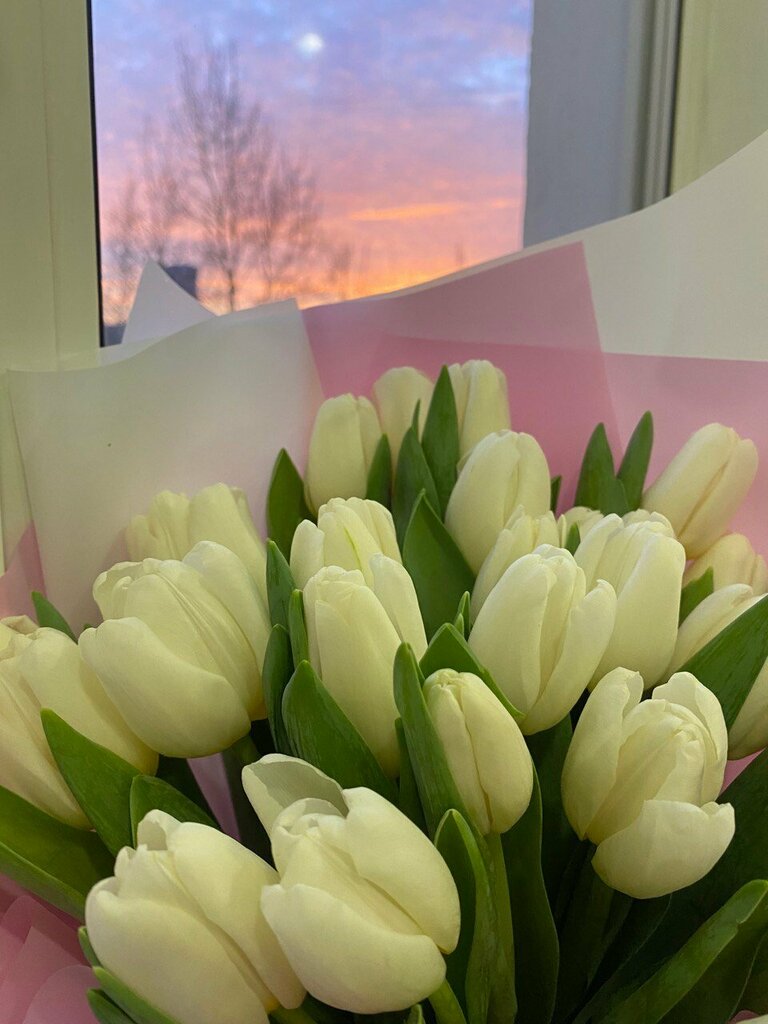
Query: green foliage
439	571
286	506
695	592
280	585
99	780
149	794
321	733
48	615
440	439
55	861
413	479
277	671
379	485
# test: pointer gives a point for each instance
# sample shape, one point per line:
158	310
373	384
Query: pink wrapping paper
533	317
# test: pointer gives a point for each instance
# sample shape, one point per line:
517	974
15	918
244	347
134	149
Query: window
263	148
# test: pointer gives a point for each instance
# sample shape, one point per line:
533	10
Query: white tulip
749	733
43	669
704	485
485	750
341	449
13	625
354	632
397	393
482	405
502	472
581	516
640	780
732	559
521	536
349	533
541	634
175	523
366	905
180	924
182	648
644	564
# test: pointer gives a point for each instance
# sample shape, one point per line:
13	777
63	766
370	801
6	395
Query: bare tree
258	209
215	181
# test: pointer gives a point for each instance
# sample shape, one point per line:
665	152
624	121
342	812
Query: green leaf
286	506
177	772
641	922
277	671
705	980
439	571
755	996
416	1015
471	965
437	789
408	790
461	622
637	457
695	592
593	917
151	794
321	733
379	485
449	649
297	627
59	863
731	662
137	1008
412	479
548	750
48	615
440	439
280	585
554	493
573	539
85	944
100	781
536	945
598	487
104	1010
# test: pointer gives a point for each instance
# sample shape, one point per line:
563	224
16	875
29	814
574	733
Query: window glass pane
261	148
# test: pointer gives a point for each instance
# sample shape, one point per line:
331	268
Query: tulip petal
668	847
589	771
177	708
276	781
395	855
170	958
395	590
211	866
307	552
346	960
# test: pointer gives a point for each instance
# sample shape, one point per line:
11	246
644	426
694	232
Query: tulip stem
252	833
446	1006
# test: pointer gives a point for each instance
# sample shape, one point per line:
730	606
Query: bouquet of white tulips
476	749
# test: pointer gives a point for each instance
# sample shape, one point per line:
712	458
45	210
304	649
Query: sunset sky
412	113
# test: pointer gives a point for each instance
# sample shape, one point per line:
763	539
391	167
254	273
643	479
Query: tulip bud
521	536
749	733
482	406
180	924
349	857
175	523
640	780
341	449
644	564
485	750
354	632
181	650
581	516
43	669
348	534
397	393
732	559
703	486
541	634
502	472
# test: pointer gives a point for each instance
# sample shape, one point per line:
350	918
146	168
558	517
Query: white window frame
49	281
